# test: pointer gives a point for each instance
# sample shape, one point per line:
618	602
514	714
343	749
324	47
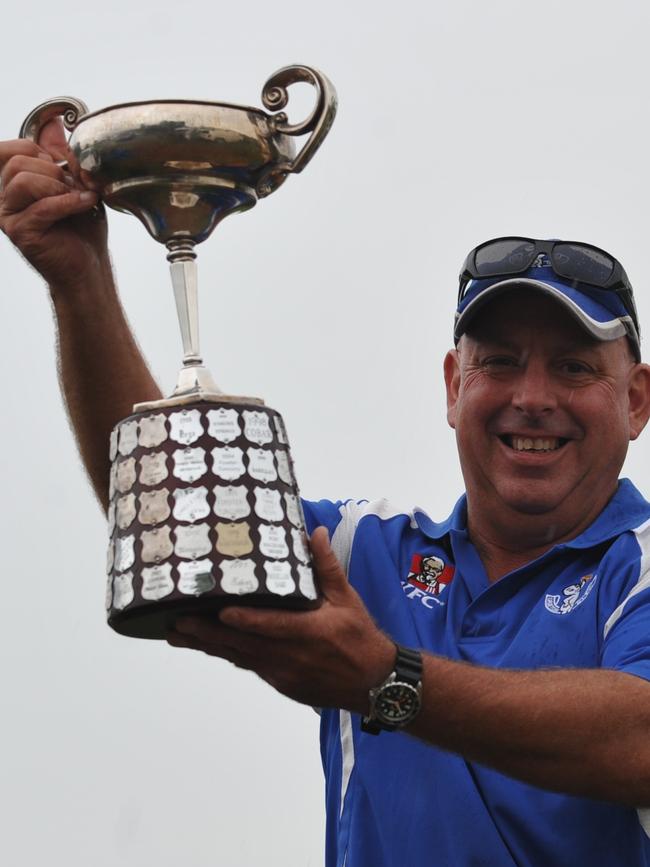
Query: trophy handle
275	97
71	110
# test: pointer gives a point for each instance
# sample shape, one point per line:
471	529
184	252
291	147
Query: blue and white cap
600	312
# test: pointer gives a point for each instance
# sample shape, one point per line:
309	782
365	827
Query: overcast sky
333	300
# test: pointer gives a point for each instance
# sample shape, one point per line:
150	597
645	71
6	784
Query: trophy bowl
182	166
204	507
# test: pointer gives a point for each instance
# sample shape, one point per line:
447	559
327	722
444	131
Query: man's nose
534	390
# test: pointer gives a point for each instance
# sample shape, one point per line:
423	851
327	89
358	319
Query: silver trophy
204	504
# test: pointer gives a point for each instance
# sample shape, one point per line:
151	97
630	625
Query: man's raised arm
60	229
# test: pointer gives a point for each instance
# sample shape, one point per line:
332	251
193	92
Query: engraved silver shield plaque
234	540
153	431
278	578
153	469
186	426
238	577
157	582
125	475
196	577
110	515
125	511
112	482
306	582
108	598
192	541
124	553
156	544
189	464
256	427
154	506
268	504
228	462
123	593
191	504
112	450
223	424
294	510
273	541
110	557
128	437
261	465
280	431
284	470
230	502
300	547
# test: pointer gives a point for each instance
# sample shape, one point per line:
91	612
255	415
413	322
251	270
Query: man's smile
522	443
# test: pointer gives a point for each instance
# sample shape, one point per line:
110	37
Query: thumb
52	139
332	579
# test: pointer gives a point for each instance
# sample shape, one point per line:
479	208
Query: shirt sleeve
322	513
626	632
340	518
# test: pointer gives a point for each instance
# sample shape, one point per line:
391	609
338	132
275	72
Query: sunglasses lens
583	263
507	256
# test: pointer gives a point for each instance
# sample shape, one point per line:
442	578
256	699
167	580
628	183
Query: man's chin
533	507
532	502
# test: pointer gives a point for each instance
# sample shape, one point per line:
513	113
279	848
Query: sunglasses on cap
574	262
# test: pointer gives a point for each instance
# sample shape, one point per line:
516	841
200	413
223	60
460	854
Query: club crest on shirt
429	573
571	596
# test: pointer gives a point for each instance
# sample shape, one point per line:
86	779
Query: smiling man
543	414
484	680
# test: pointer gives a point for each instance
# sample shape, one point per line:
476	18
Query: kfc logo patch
429	573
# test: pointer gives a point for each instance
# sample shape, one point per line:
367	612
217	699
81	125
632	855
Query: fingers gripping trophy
204	505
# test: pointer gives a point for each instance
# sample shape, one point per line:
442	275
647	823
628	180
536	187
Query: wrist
395	703
380	663
89	280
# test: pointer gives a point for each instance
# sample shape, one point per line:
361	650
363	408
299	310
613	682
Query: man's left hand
328	657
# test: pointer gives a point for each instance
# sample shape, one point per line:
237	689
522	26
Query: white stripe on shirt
642	534
351	513
347	752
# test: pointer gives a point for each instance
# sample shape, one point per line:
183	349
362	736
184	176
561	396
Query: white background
458	121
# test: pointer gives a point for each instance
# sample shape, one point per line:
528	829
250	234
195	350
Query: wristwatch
396	702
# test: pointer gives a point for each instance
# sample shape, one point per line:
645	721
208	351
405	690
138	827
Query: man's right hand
57	225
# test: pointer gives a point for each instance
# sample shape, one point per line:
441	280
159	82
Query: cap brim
597	320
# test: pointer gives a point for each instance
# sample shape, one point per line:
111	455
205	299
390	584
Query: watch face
397	703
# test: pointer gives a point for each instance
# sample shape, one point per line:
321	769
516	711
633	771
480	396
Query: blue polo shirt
394	801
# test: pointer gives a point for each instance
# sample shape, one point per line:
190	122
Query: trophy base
159	621
204	512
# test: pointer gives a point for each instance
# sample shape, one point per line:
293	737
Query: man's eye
574	367
495	362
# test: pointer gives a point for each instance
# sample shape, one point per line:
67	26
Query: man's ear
638	399
452	384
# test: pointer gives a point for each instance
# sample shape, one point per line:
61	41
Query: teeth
539	444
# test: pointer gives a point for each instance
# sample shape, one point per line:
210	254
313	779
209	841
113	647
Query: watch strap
371	726
408	665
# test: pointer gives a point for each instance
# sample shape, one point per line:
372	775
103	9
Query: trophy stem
194	379
182	264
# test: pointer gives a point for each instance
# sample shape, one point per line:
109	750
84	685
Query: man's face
543	413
